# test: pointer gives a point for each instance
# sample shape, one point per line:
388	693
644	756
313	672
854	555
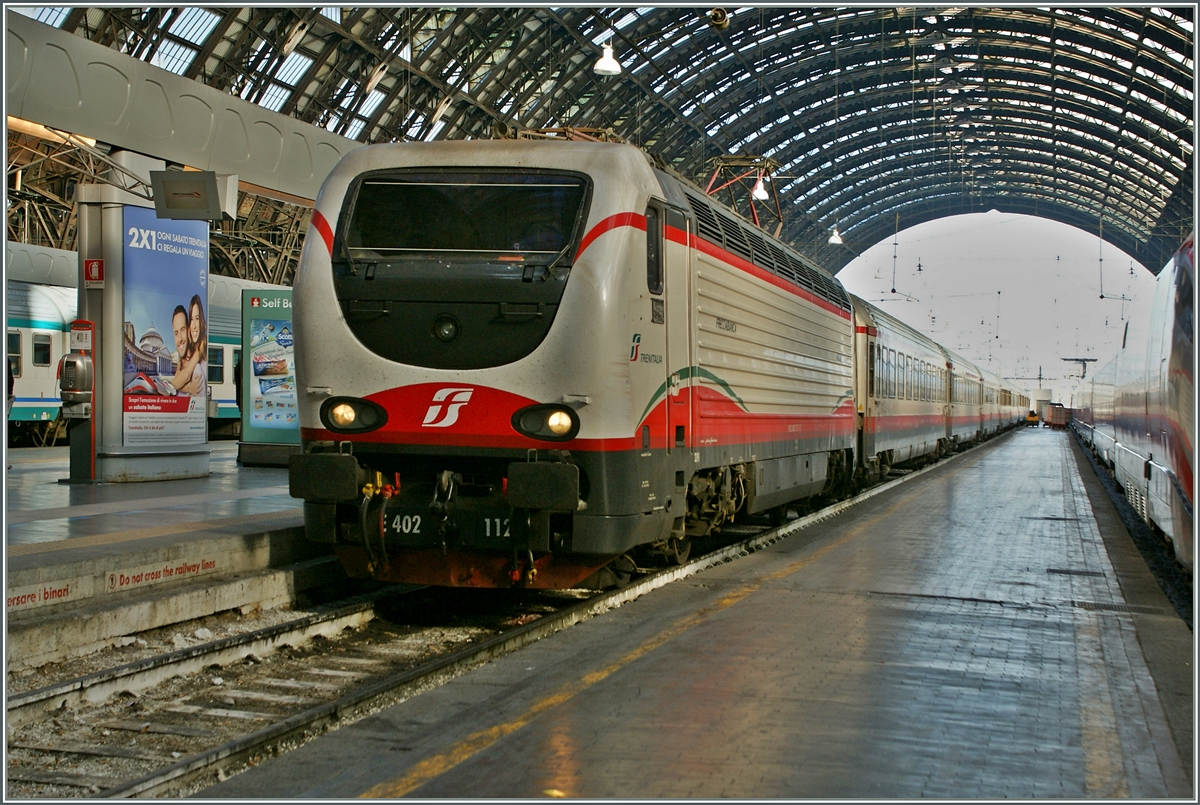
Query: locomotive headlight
342	415
553	423
559	423
352	415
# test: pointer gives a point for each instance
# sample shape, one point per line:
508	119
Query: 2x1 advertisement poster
166	330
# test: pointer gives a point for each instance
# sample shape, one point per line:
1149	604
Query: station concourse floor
986	630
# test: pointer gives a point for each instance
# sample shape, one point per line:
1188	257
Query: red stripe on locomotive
322	226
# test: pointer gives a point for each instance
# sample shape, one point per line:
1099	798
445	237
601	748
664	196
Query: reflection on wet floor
41	509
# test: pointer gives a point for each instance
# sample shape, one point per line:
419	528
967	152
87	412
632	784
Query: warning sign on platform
174	570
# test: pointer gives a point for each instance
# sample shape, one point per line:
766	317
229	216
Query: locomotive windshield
457	268
478	214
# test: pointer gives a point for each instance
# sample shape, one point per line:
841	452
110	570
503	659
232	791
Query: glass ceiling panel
194	25
50	16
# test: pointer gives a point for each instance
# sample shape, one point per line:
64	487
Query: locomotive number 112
495	527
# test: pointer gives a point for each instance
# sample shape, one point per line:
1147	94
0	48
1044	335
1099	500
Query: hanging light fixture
760	190
835	238
606	64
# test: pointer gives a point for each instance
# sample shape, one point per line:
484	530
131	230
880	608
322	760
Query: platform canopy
867	119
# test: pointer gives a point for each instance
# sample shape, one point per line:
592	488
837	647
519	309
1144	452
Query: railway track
172	724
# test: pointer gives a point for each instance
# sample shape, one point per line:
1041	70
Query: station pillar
142	282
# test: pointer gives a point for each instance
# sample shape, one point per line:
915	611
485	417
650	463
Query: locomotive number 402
407	524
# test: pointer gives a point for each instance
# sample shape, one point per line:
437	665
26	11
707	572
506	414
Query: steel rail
35	705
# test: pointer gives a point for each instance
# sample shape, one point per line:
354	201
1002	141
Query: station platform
87	564
985	630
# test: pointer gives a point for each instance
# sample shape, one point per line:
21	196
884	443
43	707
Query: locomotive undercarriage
493	521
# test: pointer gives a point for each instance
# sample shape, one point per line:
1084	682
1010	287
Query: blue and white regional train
1138	409
521	360
42	299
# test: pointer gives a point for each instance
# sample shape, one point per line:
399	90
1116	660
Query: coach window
654	263
41	349
216	364
893	374
14	352
908	377
887	373
890	366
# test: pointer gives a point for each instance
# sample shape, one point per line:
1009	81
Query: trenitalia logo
637	345
454	398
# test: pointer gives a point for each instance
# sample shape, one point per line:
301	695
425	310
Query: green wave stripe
686	374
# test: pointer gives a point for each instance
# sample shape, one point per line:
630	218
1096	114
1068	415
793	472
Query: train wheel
622	568
777	515
678	550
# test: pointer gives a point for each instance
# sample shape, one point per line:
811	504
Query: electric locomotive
520	360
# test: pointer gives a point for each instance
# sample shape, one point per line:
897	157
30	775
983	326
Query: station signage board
270	404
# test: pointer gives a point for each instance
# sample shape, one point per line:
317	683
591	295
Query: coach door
869	396
677	294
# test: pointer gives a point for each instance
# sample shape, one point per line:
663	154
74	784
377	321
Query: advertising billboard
165	382
270	414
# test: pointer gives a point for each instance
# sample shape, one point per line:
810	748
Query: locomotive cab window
455	267
464	214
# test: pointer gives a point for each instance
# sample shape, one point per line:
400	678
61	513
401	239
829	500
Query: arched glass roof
878	117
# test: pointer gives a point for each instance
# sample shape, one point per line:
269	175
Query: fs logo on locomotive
633	351
455	399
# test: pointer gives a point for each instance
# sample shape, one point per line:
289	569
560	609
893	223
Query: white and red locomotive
521	360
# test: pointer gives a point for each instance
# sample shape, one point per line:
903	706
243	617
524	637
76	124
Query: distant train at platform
1138	410
536	363
42	299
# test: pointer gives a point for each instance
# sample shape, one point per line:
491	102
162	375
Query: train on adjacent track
1138	409
42	299
523	362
